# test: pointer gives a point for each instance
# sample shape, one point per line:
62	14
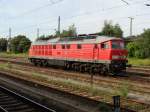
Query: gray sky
25	16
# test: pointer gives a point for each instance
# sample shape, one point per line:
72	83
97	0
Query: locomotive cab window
117	45
79	46
104	46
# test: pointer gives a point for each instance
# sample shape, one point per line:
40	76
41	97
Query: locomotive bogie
94	68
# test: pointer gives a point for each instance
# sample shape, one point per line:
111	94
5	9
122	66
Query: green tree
43	37
111	30
20	44
118	31
108	29
70	32
140	48
64	33
144	43
3	44
57	33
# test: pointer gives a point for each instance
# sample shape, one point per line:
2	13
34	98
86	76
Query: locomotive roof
77	40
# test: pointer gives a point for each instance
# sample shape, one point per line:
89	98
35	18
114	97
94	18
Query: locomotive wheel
40	63
101	71
82	68
35	63
73	66
67	66
92	70
45	63
88	69
77	67
104	71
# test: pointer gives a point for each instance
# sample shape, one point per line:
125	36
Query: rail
11	101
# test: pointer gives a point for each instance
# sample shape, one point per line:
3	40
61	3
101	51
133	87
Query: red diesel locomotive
96	54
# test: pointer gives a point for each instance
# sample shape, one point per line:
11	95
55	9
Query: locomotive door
95	52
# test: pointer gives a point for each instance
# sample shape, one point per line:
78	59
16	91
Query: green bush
139	54
133	49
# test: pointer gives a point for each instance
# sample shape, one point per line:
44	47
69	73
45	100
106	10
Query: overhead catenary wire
81	14
125	2
37	9
85	13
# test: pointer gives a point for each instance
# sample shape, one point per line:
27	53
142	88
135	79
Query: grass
13	55
123	90
139	62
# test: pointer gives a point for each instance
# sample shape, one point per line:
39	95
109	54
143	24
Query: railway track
13	102
145	71
103	81
99	80
131	76
78	76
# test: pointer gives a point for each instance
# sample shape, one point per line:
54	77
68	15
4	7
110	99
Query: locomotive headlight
115	57
118	57
124	57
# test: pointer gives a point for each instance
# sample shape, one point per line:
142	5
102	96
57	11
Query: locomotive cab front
118	55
